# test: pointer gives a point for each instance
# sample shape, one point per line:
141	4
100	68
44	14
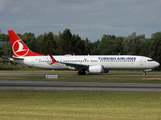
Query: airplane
81	63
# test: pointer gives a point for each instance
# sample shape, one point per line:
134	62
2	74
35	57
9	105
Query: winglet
53	59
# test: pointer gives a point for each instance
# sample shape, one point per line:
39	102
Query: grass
27	105
38	105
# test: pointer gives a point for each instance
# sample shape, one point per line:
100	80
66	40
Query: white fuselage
109	62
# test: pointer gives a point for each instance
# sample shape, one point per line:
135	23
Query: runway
79	86
72	74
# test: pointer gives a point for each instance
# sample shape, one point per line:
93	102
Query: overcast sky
87	18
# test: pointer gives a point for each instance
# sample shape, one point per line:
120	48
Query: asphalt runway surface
76	86
71	74
79	86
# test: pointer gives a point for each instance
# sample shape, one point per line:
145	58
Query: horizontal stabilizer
17	58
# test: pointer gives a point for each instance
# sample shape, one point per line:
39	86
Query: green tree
94	50
118	46
78	45
38	47
48	44
133	44
145	48
69	44
30	40
137	45
65	42
5	49
3	37
156	47
1	50
106	45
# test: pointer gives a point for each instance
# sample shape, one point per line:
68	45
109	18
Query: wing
75	65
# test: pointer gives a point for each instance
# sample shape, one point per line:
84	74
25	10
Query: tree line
67	43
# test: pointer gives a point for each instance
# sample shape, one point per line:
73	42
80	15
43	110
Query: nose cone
156	64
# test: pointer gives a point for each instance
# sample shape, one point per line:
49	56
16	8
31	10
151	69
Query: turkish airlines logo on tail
19	48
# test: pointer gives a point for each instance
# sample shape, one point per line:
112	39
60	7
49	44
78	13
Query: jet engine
97	69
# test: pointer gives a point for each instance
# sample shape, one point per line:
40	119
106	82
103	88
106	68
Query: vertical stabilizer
19	47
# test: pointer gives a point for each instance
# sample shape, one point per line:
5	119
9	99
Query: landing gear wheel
144	73
81	72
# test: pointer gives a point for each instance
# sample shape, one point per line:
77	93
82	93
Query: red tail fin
18	46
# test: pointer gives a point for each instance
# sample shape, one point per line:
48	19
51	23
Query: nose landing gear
147	70
144	73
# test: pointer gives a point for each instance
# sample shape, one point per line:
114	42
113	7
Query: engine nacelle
96	69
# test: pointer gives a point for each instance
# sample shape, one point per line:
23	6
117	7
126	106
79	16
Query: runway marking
151	79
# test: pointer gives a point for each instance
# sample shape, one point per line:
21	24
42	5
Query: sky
86	18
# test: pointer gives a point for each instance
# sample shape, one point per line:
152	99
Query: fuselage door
32	61
141	61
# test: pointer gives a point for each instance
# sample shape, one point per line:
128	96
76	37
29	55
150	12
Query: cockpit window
150	60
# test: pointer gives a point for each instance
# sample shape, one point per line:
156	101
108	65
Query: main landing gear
81	72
